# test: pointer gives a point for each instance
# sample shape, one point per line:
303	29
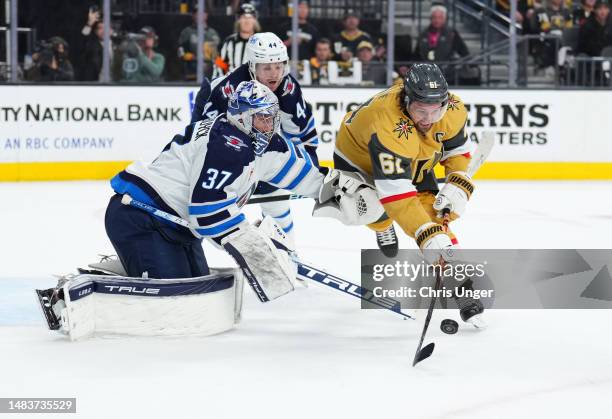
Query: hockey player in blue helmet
206	176
268	63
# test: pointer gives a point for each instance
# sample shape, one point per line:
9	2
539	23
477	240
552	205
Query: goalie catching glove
455	194
347	197
264	258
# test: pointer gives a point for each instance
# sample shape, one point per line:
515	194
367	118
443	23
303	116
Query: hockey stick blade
487	141
424	353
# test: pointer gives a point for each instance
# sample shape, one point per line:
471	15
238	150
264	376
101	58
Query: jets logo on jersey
403	128
234	142
453	103
288	87
227	90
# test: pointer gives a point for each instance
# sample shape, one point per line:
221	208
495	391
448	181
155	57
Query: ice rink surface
313	353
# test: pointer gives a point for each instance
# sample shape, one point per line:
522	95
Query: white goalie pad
101	305
269	271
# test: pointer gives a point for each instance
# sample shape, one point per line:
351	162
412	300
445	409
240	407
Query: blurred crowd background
554	42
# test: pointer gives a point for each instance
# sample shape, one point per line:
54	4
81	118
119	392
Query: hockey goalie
161	283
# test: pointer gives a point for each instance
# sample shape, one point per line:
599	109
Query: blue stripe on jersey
309	127
210	208
310	138
283	215
305	154
283	172
219	229
300	176
288	228
122	186
216	218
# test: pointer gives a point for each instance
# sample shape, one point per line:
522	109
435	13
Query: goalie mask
253	109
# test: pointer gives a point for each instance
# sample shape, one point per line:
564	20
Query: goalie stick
305	272
480	155
259	199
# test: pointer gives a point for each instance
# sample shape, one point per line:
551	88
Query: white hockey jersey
209	173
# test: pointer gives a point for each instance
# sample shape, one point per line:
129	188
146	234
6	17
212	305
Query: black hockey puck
449	326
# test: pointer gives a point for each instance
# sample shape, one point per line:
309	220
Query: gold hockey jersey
380	140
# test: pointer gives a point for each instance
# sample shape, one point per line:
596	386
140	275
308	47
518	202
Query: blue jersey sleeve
290	167
212	98
297	120
200	101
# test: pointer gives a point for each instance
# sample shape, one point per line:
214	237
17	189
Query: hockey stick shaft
480	155
273	198
304	271
128	200
347	287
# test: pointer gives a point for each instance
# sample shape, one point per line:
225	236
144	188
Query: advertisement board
91	132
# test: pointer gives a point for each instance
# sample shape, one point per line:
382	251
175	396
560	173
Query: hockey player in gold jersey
396	138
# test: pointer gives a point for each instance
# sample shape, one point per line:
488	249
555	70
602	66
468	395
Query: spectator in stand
596	33
380	48
50	62
402	55
307	35
524	10
345	43
373	72
233	48
93	31
318	63
438	43
61	67
549	20
141	64
188	47
582	12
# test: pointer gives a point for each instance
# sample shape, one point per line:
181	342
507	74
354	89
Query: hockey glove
435	243
455	194
348	198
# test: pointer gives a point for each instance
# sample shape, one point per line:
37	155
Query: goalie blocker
103	301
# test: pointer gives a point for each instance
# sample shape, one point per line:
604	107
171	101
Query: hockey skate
470	309
387	242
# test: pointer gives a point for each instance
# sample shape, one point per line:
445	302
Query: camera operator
141	64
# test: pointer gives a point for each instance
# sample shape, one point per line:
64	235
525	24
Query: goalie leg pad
281	213
100	304
269	271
